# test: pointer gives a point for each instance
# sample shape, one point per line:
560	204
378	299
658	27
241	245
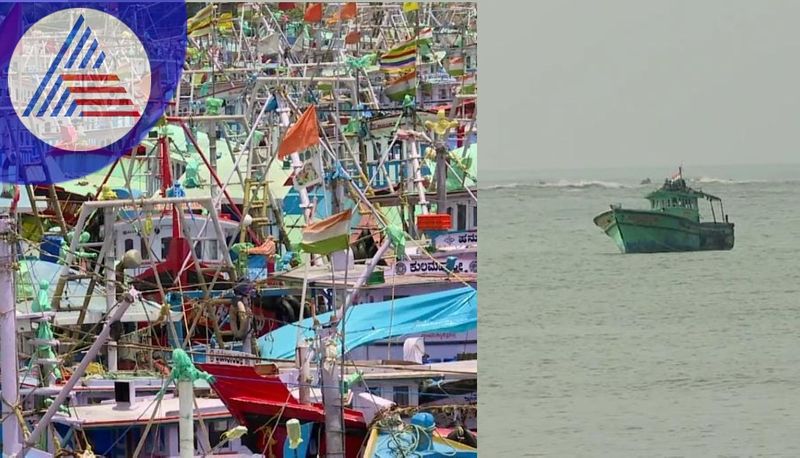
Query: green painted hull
642	231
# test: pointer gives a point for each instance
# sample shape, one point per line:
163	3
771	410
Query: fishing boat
266	398
115	428
417	437
672	223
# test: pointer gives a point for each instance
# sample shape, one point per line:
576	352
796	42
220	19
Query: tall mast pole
9	383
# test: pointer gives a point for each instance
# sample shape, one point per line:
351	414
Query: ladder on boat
52	206
257	201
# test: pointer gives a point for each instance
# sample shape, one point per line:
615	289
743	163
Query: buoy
240	321
425	422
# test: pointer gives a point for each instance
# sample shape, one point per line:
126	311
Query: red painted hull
263	404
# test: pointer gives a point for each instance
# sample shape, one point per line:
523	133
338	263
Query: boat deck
109	414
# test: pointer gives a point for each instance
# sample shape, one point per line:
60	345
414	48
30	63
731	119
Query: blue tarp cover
455	310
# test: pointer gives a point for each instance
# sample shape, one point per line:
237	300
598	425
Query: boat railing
392	170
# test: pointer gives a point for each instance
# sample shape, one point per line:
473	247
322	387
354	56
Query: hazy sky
640	83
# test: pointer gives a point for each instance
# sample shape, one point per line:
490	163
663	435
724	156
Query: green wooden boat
671	224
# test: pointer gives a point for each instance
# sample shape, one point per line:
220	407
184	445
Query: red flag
285	6
313	13
348	11
303	134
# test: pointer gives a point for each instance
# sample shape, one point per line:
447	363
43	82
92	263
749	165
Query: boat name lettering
431	266
456	238
438	266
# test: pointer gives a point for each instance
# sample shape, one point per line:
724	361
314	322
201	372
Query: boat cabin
115	428
128	235
676	198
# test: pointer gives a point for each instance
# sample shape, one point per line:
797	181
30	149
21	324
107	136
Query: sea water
588	352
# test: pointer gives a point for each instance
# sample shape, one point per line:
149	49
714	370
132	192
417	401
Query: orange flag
313	13
352	38
303	134
348	11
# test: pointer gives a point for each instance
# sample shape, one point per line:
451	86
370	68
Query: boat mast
122	306
9	383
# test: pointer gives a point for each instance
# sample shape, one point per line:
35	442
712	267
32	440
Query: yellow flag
410	6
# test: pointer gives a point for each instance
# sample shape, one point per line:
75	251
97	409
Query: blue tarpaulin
455	310
302	448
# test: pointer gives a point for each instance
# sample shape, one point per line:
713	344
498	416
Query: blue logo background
159	26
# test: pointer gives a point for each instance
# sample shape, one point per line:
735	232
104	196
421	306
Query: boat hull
641	231
263	404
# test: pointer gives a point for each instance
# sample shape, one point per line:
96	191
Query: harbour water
587	352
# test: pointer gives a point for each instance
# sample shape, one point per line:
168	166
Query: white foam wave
582	184
560	184
713	180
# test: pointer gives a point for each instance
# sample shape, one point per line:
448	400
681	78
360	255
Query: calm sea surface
588	352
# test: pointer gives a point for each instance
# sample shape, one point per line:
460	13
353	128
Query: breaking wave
560	184
712	180
501	186
598	184
581	184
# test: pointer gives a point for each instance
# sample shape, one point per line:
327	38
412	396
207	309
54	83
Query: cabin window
475	216
128	245
215	431
401	395
396	151
165	247
462	217
143	249
375	391
162	443
198	250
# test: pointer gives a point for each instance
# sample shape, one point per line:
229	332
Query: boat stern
716	236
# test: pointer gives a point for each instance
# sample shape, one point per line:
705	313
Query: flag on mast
303	134
328	235
398	88
401	58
